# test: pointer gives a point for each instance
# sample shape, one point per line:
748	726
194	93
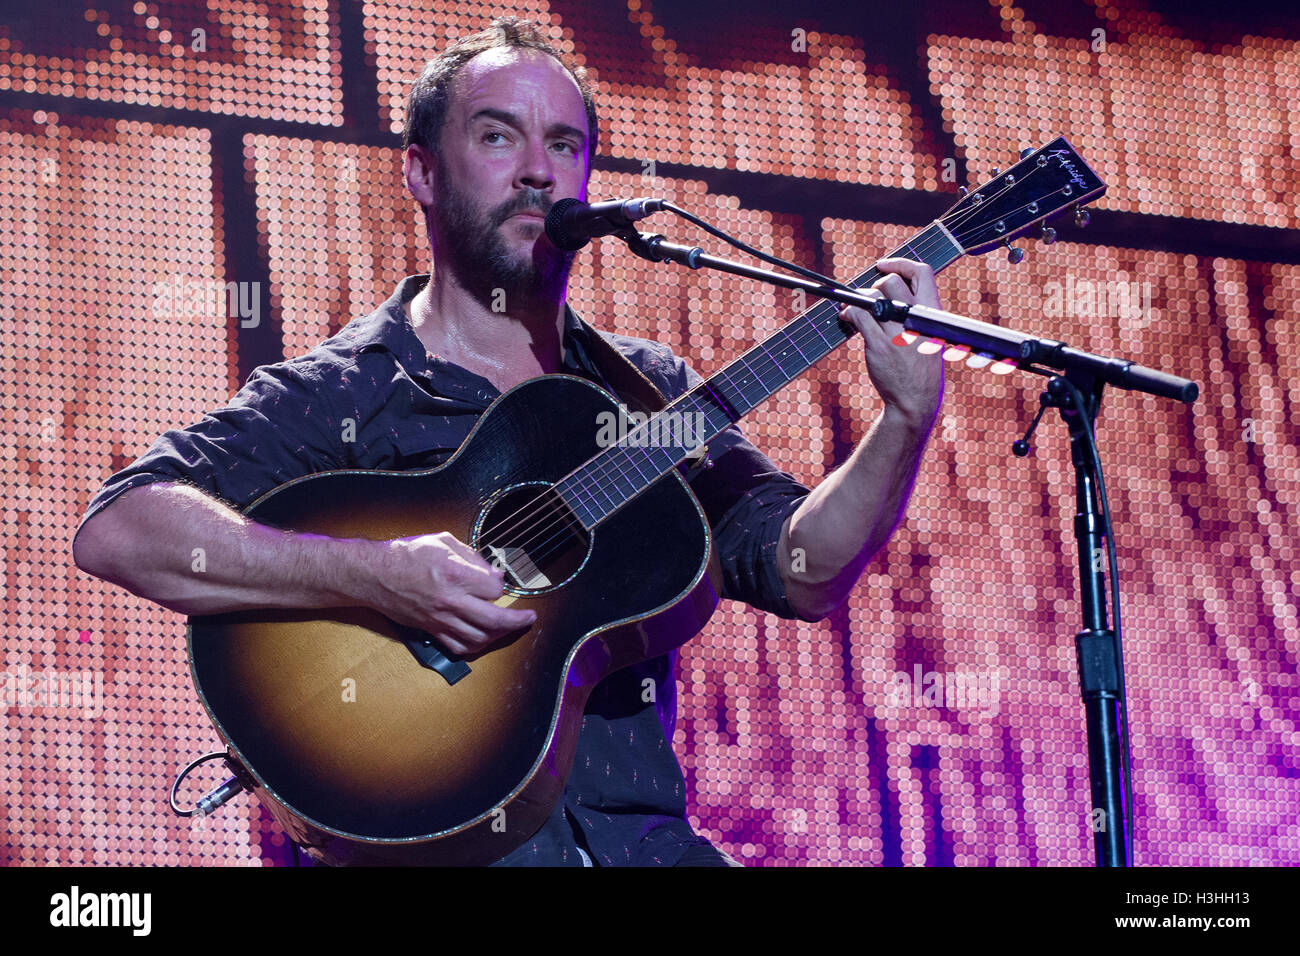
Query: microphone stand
1098	648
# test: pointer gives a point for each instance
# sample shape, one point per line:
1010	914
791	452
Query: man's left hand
909	382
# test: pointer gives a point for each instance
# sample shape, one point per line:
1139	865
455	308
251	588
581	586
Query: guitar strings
599	476
600	473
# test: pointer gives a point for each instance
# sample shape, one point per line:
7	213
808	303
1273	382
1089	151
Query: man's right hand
145	540
439	584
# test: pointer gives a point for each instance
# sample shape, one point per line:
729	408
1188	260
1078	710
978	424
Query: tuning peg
1047	234
964	190
1014	253
1081	216
1027	152
996	171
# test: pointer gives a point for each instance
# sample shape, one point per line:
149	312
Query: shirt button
484	394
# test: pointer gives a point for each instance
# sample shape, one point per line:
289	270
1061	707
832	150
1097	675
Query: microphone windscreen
560	236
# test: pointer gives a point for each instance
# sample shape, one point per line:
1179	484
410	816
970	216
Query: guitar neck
621	472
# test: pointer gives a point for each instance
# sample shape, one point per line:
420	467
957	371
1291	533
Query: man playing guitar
498	130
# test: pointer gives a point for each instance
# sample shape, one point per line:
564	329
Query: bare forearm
174	545
851	514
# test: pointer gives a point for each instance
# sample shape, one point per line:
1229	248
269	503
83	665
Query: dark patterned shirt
625	801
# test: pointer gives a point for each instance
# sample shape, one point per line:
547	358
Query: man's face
513	143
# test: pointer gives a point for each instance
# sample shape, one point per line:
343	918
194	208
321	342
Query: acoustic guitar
367	742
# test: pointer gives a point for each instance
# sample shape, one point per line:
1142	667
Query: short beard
473	248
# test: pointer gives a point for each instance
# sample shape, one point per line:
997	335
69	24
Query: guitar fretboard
611	479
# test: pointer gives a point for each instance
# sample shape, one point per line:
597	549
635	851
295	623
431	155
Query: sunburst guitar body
371	746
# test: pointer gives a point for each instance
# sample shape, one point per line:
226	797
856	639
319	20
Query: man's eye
492	132
569	146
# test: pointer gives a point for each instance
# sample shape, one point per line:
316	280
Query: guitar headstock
1042	184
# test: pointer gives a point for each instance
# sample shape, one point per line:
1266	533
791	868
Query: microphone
571	223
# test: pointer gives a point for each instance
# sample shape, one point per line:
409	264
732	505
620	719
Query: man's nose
536	169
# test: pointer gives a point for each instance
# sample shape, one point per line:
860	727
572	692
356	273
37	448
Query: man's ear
420	171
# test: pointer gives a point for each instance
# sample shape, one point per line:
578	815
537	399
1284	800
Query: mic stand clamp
647	247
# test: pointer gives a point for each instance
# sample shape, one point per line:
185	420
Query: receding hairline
510	55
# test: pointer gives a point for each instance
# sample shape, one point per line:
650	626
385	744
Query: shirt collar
389	329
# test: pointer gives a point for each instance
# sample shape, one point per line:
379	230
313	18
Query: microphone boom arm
1040	354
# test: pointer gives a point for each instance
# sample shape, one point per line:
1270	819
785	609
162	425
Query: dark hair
427	108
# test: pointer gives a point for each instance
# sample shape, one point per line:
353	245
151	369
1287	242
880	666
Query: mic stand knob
1022	448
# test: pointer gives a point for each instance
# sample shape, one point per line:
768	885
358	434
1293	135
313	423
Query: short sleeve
279	426
747	500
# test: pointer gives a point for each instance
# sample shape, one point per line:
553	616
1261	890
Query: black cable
176	807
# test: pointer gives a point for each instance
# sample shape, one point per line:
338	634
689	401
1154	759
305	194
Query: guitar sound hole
533	536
